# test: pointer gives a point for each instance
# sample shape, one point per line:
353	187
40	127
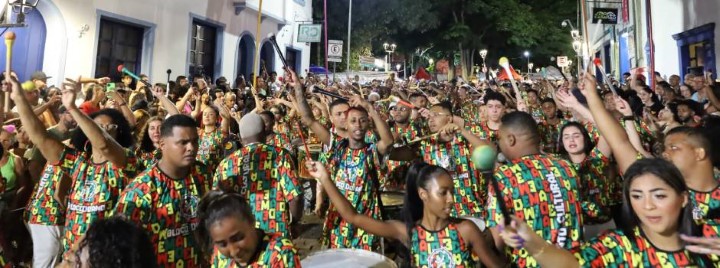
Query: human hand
622	106
69	92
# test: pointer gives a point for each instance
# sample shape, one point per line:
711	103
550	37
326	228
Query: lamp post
530	66
349	28
483	54
577	38
527	55
389	48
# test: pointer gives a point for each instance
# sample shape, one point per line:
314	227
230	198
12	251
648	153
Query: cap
39	75
250	125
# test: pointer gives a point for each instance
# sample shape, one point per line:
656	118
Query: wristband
629	117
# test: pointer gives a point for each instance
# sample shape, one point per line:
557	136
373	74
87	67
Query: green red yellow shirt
167	209
443	248
266	177
706	209
43	208
543	191
210	147
94	191
595	187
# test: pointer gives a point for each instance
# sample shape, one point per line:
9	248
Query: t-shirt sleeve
221	180
602	251
135	202
69	160
288	178
129	171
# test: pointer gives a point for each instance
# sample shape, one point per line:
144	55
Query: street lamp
530	66
389	48
575	34
527	55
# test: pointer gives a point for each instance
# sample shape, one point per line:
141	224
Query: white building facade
69	38
684	32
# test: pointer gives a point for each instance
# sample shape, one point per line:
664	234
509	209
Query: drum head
347	258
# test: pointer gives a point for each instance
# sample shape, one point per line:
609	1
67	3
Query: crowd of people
591	173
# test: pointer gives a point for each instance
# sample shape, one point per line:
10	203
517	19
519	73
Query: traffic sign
562	61
335	48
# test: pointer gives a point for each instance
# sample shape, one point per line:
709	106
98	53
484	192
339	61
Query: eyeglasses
402	109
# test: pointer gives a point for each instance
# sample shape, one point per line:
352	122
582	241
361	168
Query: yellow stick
257	45
9	41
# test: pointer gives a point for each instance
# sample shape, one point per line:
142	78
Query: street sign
334	59
335	48
562	61
309	33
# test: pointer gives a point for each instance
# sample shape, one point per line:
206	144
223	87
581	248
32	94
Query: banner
309	33
606	15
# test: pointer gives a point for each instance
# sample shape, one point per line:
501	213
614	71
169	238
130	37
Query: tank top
443	248
8	172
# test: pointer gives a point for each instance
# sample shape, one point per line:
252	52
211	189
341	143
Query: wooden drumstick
9	41
416	140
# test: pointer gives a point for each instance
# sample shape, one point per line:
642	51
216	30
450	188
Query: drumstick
9	41
302	138
598	65
416	140
400	101
506	66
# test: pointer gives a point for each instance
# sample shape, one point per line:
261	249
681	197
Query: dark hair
146	144
548	100
416	95
446	106
177	120
336	103
356	108
269	115
698	137
670	175
587	140
532	91
115	242
521	122
215	206
124	135
492	95
417	176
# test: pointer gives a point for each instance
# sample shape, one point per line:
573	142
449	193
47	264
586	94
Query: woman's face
6	139
438	198
234	238
154	130
657	205
209	116
685	92
105	122
665	115
644	96
573	140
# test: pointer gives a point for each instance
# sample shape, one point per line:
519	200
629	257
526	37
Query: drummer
433	237
355	166
451	148
403	130
226	227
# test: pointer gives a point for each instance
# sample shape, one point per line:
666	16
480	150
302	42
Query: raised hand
69	93
702	245
566	99
316	170
622	106
450	128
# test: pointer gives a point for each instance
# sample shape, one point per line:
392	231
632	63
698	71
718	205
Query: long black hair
215	206
670	175
417	177
588	142
124	135
115	242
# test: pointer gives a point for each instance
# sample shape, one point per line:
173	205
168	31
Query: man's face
183	81
180	148
609	102
438	119
532	97
67	120
40	84
338	115
549	110
684	112
419	101
495	110
674	80
358	123
698	83
32	96
400	113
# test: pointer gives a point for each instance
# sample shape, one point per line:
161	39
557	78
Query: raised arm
100	140
166	103
520	235
123	107
388	229
386	137
624	108
613	132
180	106
50	148
306	115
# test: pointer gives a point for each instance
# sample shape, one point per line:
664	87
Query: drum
347	258
392	204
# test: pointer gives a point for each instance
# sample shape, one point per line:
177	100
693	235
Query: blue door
29	46
624	56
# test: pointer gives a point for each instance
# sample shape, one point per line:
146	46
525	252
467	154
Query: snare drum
392	204
477	221
347	258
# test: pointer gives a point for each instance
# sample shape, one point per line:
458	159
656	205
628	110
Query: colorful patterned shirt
617	249
277	252
706	209
265	176
543	191
595	188
550	135
469	194
281	140
94	191
148	159
167	209
444	248
483	131
43	208
395	176
356	173
210	147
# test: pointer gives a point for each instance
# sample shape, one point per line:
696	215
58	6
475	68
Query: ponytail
417	177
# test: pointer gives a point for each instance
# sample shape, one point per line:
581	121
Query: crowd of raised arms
102	173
